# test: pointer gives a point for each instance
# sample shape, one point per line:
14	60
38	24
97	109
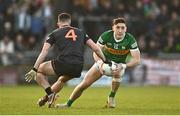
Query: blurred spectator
19	49
48	15
163	16
142	43
78	9
9	22
177	39
153	48
169	47
175	6
37	25
6	50
175	21
31	43
23	20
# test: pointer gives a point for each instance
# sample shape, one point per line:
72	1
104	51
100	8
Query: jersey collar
63	26
119	39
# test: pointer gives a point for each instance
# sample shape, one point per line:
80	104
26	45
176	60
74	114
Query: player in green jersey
116	45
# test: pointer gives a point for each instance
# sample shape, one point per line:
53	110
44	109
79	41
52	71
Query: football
107	69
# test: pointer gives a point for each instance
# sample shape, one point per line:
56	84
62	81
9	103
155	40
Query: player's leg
56	87
111	98
92	75
114	88
46	69
69	71
59	84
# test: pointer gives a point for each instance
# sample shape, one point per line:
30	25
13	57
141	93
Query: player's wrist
34	69
107	61
124	66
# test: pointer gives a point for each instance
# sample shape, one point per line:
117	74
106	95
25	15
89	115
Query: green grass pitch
21	100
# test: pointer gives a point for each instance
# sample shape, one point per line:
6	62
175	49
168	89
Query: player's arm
32	73
96	49
135	53
101	42
135	58
42	55
96	58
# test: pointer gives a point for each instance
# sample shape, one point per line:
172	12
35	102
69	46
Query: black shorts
71	70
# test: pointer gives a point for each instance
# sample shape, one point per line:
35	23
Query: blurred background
155	24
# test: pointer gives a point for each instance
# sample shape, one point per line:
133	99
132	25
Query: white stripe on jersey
100	44
137	49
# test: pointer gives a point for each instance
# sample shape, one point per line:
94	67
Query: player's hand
108	62
31	75
117	68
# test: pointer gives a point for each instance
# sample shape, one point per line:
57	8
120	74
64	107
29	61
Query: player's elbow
96	50
138	60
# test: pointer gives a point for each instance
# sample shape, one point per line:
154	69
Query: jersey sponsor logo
116	46
123	47
117	52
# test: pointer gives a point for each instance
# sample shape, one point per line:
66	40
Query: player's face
119	30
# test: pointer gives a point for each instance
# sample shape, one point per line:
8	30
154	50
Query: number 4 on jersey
71	35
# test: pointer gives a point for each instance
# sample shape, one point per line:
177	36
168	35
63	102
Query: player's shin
114	88
111	97
40	79
57	86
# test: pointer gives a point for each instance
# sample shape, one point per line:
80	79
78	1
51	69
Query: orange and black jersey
70	43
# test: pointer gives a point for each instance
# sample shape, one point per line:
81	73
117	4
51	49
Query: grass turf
21	100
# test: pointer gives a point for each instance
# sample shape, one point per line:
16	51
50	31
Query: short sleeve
102	39
50	39
133	43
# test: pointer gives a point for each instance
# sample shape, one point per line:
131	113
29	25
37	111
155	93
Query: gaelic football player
69	61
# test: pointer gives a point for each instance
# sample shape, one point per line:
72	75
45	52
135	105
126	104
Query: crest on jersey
116	46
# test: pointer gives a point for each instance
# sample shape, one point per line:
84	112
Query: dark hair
118	20
63	17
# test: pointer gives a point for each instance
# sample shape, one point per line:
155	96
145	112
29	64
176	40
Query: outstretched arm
32	73
96	49
42	55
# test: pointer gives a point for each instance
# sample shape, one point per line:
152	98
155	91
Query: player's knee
119	79
116	75
84	85
61	81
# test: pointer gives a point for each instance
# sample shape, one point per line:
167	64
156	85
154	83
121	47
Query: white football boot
111	102
61	106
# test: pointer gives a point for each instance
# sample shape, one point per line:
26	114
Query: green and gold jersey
115	50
